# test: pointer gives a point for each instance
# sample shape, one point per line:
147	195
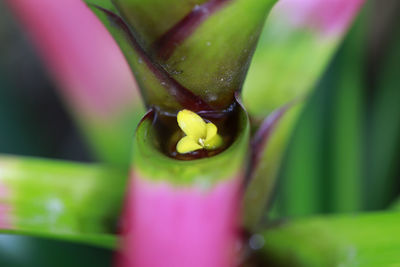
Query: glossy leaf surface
186	59
61	200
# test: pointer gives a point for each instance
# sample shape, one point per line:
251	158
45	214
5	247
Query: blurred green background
344	155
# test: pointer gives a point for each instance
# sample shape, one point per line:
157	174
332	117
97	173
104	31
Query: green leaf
322	170
62	200
345	122
383	133
27	251
185	58
295	46
269	146
367	239
213	61
299	192
396	205
153	18
156	86
191	201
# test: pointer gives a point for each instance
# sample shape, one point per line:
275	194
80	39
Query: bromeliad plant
202	172
186	182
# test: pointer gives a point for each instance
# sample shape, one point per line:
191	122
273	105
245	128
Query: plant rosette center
199	133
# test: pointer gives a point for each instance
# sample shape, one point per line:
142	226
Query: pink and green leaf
90	72
184	211
320	175
295	46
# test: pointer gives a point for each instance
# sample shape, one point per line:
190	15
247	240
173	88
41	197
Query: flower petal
214	142
211	131
187	144
192	124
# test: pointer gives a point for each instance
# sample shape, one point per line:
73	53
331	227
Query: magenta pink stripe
328	17
5	209
172	226
166	45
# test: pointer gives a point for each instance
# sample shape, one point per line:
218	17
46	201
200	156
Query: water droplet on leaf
256	241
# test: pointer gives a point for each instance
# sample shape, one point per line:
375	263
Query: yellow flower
199	134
